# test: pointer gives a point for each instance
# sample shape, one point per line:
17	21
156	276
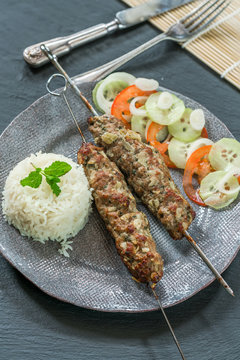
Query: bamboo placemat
219	47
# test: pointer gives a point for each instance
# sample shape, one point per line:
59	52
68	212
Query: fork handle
102	71
63	45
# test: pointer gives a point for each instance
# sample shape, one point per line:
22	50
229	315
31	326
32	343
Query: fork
184	29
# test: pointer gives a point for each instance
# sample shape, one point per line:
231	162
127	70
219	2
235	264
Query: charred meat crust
145	171
117	206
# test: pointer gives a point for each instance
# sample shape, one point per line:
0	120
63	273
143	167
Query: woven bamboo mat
219	47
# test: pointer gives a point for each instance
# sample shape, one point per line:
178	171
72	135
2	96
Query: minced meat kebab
117	206
146	172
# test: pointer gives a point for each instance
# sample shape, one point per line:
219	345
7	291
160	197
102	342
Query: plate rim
119	310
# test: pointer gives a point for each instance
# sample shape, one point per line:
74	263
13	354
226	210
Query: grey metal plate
94	276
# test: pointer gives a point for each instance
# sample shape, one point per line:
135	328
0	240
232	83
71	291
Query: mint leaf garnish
52	174
33	180
53	184
58	168
56	179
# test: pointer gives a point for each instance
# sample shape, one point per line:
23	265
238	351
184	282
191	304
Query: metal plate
94	276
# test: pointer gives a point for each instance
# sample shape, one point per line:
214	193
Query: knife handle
63	45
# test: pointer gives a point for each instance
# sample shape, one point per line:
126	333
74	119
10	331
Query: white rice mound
38	213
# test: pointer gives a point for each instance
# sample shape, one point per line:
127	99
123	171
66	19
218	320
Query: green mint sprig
52	174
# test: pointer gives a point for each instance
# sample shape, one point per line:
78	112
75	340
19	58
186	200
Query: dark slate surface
36	326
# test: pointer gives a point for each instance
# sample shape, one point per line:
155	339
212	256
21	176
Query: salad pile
178	133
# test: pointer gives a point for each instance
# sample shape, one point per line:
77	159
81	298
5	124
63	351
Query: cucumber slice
178	152
225	154
94	92
164	117
211	196
162	134
139	123
182	129
109	91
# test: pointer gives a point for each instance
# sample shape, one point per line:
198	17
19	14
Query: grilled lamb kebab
117	206
145	171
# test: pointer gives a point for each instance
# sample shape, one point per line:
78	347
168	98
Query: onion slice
165	100
146	84
221	185
138	111
197	119
197	144
147	126
212	200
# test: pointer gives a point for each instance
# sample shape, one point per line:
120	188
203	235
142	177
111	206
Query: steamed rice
38	213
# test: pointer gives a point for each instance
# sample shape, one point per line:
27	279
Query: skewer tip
217	275
229	290
167	321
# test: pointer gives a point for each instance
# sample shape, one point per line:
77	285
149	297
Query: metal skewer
64	96
84	141
208	263
54	61
168	323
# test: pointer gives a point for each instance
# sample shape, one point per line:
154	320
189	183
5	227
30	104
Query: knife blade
123	19
141	13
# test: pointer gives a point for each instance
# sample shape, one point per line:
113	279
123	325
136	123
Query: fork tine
211	19
190	22
183	19
201	20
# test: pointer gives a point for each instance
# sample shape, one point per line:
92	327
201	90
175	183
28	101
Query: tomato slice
162	148
203	169
197	163
168	162
153	130
204	133
122	101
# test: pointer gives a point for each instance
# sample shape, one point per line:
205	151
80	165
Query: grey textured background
36	326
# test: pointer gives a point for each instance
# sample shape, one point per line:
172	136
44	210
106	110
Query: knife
123	19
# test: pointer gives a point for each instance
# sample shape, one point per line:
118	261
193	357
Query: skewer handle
208	263
54	61
55	93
